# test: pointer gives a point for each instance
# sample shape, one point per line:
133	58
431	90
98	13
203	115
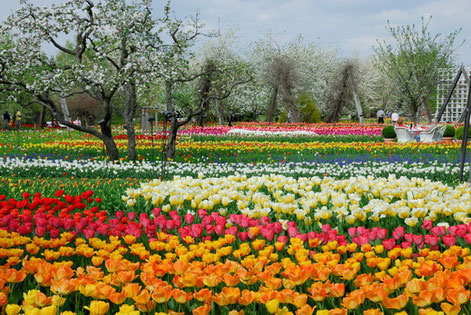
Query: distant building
458	101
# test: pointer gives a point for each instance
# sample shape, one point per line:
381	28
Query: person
400	123
6	119
289	117
18	120
77	122
380	115
394	118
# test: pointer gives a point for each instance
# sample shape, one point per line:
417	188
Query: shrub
388	132
310	113
449	131
459	133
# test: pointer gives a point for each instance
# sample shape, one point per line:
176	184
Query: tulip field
251	219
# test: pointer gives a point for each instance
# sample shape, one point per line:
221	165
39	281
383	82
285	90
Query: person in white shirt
394	118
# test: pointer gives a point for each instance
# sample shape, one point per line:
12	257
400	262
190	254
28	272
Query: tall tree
117	47
413	60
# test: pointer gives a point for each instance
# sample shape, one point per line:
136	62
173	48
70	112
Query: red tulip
398	233
449	240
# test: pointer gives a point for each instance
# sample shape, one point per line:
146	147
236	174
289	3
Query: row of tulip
288	129
52	216
79	146
338	168
366	268
356	200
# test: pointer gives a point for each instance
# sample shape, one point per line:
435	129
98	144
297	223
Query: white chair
404	134
428	135
438	135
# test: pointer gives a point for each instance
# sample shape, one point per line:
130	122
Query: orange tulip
424	299
97	261
377	293
449	261
247	297
162	294
125	276
375	311
147	307
211	280
438	295
203	295
458	296
415	286
318	294
202	310
3	298
118	298
142	298
363	279
231	280
179	267
273	283
300	300
228	295
305	310
449	309
337	290
397	303
14	276
181	296
63	286
427	269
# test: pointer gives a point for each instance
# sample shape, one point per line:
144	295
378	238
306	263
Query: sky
351	26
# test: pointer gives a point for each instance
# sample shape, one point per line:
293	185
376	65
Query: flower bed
66	254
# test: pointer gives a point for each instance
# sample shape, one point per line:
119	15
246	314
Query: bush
459	133
388	132
449	131
310	113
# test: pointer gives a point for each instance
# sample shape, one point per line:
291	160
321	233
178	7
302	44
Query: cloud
393	15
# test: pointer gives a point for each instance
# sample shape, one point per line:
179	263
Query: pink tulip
431	239
352	231
449	240
467	238
438	230
389	243
427	225
417	240
326	228
40	231
282	238
243	236
398	233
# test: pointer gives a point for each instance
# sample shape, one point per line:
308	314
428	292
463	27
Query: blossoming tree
116	47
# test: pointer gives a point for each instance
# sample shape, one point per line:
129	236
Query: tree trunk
272	105
110	145
428	113
220	111
42	117
291	107
358	106
172	139
129	113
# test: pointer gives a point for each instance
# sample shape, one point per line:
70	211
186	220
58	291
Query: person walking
6	119
380	115
18	120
